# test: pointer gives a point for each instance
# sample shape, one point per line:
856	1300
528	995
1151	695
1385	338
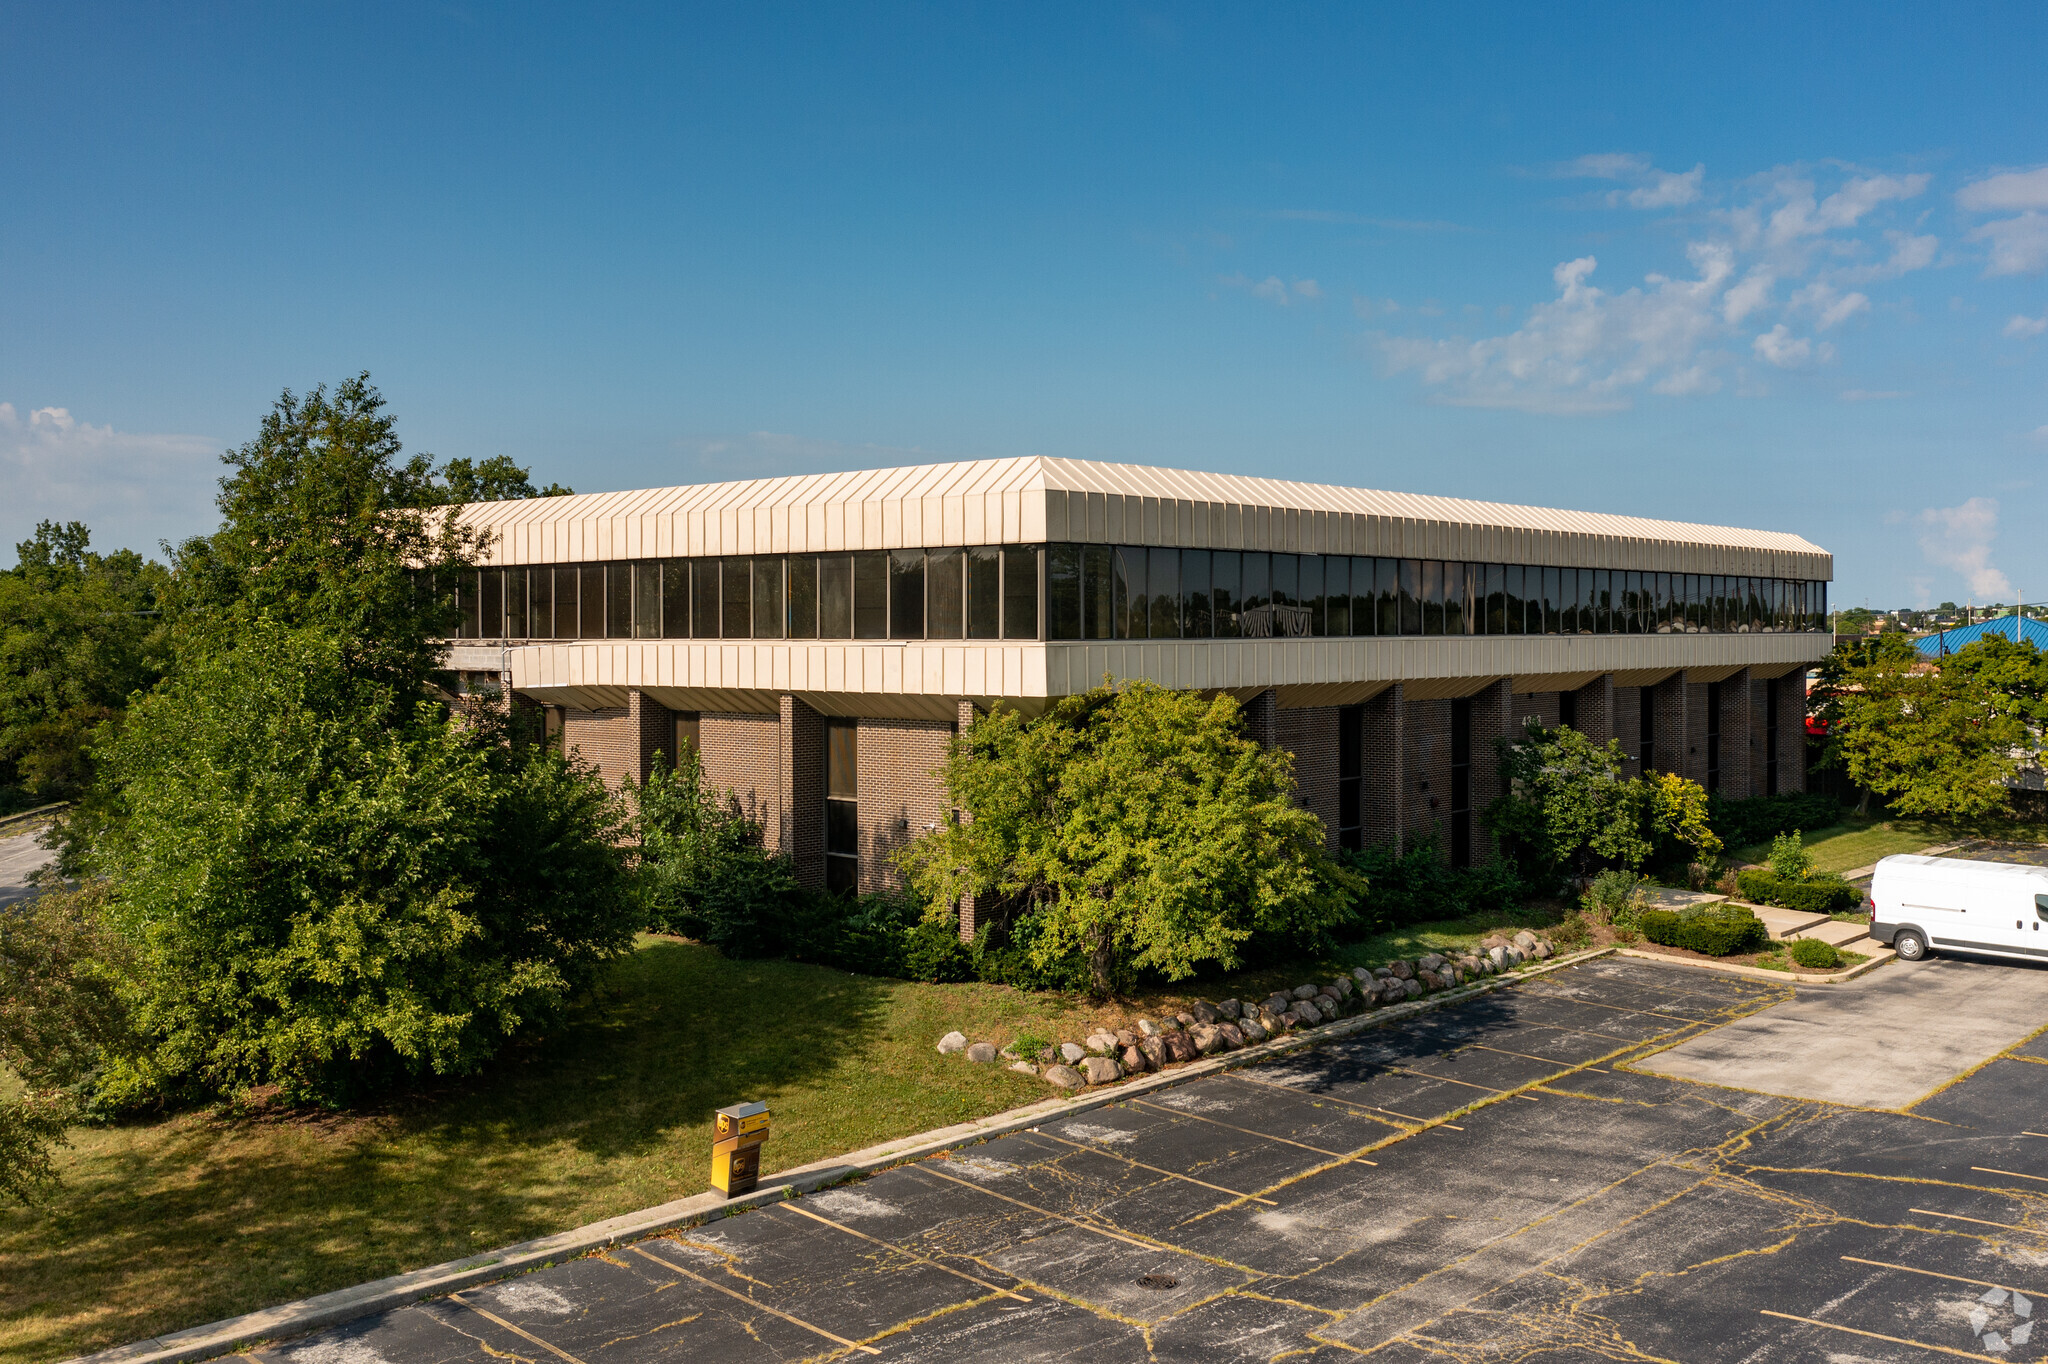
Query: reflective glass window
835	597
945	594
1313	597
515	603
675	599
736	599
768	603
1256	615
1386	579
1603	602
906	594
1432	597
704	599
1286	581
491	604
1063	592
985	592
803	596
871	594
1020	592
1098	594
1226	572
1411	596
1337	595
1130	609
1494	612
1162	582
1198	622
590	592
618	601
540	603
647	599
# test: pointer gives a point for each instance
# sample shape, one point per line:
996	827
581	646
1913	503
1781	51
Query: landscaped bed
184	1219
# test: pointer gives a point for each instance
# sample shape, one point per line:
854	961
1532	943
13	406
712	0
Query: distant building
1947	641
821	638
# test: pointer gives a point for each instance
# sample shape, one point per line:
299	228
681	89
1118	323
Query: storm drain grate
1158	1281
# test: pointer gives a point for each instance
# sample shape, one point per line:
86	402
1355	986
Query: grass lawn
177	1221
1858	841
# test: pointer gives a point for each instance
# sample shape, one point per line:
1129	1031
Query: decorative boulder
1254	1031
1361	974
1344	987
1277	1002
1100	1070
1066	1077
1186	1019
1148	1028
1525	940
1233	1036
1413	987
1136	1061
1541	951
1205	1013
1401	970
982	1053
1024	1068
1072	1054
1307	1012
1428	961
952	1042
1304	992
1231	1009
1126	1038
1180	1047
1498	956
1101	1043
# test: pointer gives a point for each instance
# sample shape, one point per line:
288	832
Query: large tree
1938	738
1139	827
79	632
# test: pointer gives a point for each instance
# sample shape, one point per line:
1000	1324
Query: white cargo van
1957	904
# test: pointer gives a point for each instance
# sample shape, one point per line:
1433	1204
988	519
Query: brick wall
1792	731
1695	702
1543	705
1627	708
742	754
607	739
1260	718
1429	770
1384	776
1741	752
1492	719
1310	734
1594	707
1672	737
899	785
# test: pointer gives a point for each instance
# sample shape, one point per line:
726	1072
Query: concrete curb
10	823
1878	958
381	1295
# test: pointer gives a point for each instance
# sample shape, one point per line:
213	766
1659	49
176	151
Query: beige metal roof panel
1031	498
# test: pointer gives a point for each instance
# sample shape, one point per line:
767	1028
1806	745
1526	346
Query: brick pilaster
1493	719
1671	738
1260	718
1384	781
1792	731
652	727
1742	754
1595	707
801	747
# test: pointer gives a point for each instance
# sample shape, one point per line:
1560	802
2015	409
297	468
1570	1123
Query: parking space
1499	1179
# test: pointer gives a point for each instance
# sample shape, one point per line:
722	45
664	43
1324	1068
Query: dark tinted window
590	590
945	594
835	597
647	600
1196	620
1098	594
803	597
1411	596
540	603
704	599
871	595
984	592
768	599
675	599
1020	592
1127	572
1337	595
618	601
1163	582
736	603
1063	591
1226	602
906	594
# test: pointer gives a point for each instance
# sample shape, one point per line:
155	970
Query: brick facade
901	793
1492	720
1310	734
606	739
1671	738
742	754
1429	772
800	743
1627	709
1383	816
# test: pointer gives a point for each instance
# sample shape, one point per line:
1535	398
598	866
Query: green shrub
1615	897
1756	886
1418	885
1790	859
1813	952
1823	894
1716	930
1743	822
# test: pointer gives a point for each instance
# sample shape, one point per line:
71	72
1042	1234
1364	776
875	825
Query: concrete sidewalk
21	856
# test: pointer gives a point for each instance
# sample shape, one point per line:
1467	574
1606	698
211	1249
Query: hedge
1717	930
1813	895
1758	819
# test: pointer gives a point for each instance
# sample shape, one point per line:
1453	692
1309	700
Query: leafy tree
1791	859
1565	808
323	523
63	977
704	868
496	479
1944	739
79	632
1138	827
330	885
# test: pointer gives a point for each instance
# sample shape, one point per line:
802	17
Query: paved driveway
1492	1181
20	857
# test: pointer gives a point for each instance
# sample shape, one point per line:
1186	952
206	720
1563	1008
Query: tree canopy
1139	827
1943	739
79	632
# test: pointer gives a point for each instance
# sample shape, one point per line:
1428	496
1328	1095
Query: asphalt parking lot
1504	1179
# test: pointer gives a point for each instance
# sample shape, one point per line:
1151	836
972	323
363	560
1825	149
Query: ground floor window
842	806
1350	777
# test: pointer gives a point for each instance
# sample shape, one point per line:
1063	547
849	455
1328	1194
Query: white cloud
1654	188
1272	288
1790	260
2004	193
1583	351
1779	347
133	489
2019	328
2040	433
1959	539
2019	246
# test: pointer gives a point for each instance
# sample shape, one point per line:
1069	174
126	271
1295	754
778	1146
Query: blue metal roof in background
2009	627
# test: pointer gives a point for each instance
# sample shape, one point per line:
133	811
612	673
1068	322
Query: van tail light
1870	908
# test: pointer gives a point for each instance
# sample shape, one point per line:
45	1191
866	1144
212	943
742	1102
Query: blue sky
1775	266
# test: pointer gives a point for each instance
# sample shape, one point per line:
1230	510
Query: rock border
285	1320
